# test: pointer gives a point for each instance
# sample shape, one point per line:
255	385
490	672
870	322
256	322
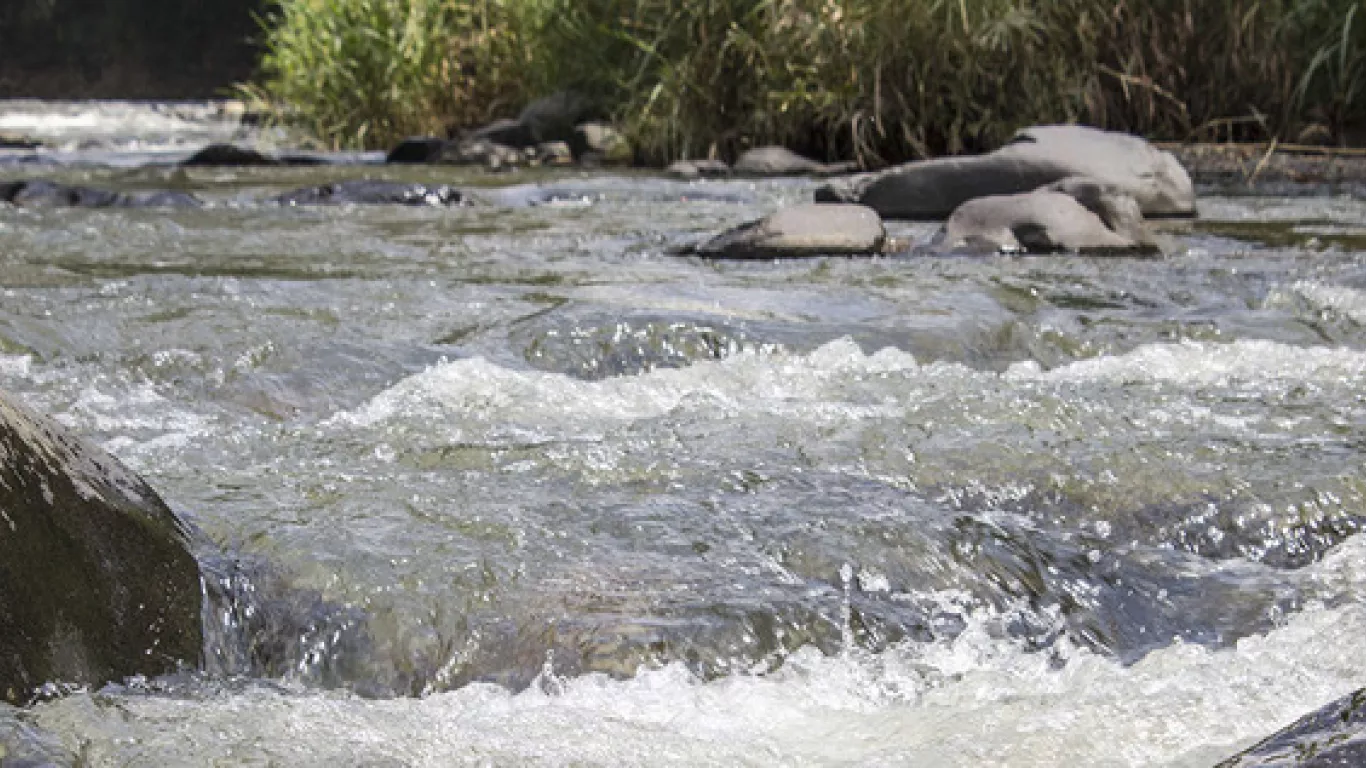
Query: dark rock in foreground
1334	736
48	194
96	580
802	230
367	192
933	189
1077	215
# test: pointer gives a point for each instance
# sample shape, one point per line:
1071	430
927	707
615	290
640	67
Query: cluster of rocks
557	130
1051	189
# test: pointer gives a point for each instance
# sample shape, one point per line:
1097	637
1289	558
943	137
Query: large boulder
802	230
97	582
40	193
932	189
1332	736
372	192
690	170
1076	214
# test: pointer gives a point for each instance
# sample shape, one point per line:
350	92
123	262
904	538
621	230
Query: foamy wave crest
16	366
773	381
1336	299
977	700
1207	364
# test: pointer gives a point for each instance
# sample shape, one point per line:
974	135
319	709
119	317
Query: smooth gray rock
233	156
689	170
1076	214
781	161
554	117
932	189
97	582
1331	737
803	230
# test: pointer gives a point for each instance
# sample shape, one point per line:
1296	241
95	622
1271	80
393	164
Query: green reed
876	80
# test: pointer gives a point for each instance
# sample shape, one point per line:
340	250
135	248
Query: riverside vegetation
876	81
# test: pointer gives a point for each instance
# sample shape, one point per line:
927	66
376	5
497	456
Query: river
511	485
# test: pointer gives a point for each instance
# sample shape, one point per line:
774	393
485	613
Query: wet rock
417	150
803	230
781	161
1073	215
506	132
48	194
368	192
96	580
494	157
932	189
1332	736
601	144
233	156
689	170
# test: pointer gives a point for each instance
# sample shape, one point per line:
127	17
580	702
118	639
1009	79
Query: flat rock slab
933	189
803	230
97	582
781	161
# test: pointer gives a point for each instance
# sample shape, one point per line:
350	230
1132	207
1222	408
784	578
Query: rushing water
507	484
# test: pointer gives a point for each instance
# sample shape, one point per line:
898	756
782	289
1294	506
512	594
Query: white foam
1192	363
15	366
974	701
774	382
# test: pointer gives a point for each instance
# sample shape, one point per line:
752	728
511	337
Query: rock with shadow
40	193
1035	157
97	582
1327	738
801	230
1074	215
372	192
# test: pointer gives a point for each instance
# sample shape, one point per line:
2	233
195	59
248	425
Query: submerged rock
1332	736
781	161
368	192
933	189
1074	214
803	230
96	580
41	193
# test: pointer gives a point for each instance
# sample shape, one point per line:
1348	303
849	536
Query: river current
509	484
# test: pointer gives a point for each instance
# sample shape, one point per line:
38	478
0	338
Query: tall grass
877	80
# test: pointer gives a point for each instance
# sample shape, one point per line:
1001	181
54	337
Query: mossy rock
97	582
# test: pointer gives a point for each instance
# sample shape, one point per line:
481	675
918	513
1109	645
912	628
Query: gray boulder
781	161
803	230
417	150
505	132
97	582
1076	214
555	117
932	189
